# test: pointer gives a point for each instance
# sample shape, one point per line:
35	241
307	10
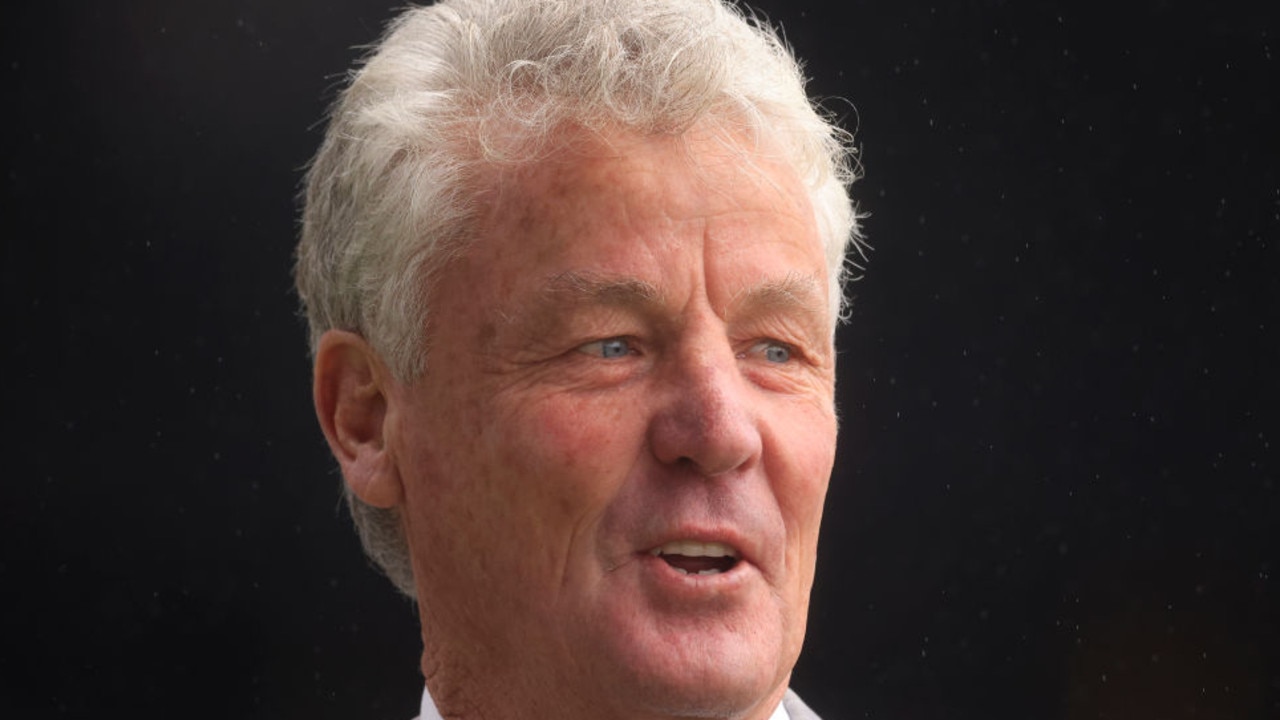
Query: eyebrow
577	287
562	294
795	291
797	295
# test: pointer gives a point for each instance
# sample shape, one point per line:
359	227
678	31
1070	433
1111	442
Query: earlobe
350	390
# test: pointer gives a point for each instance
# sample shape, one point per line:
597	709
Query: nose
706	420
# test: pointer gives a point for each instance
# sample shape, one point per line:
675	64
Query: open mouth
697	558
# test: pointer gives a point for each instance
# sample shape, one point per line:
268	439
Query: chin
707	667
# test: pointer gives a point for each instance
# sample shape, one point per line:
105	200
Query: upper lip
695	548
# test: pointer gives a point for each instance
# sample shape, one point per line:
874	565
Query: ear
350	389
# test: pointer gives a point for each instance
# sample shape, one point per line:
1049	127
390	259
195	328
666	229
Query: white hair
463	85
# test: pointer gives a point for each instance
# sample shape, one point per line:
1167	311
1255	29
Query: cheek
568	454
808	446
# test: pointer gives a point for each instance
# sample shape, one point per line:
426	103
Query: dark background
1056	494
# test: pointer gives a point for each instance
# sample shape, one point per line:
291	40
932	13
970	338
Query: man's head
572	271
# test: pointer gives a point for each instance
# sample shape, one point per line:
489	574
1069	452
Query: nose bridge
706	419
709	392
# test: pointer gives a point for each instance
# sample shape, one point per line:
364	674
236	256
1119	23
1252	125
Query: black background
1056	493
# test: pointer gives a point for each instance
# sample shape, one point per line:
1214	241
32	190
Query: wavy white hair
458	87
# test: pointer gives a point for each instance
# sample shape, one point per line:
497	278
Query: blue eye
772	350
776	353
608	349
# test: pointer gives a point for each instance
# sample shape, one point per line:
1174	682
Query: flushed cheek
564	459
577	436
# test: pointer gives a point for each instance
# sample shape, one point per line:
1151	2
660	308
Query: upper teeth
692	548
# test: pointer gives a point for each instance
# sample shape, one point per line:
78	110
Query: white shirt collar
429	712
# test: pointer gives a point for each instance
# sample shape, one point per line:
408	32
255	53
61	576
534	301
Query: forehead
624	194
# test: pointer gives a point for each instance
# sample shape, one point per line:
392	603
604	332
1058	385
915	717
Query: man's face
615	462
